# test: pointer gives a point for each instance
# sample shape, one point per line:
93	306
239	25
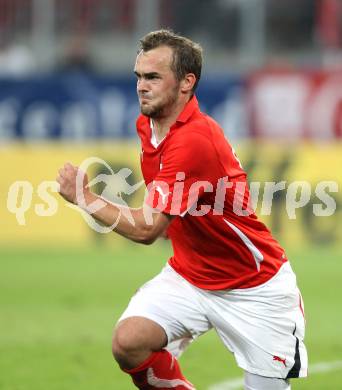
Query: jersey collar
190	107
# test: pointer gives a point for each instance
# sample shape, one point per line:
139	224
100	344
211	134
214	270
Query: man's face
157	87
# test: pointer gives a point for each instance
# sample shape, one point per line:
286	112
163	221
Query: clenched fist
73	183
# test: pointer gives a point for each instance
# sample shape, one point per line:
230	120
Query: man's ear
188	83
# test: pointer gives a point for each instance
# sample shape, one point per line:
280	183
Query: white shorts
262	326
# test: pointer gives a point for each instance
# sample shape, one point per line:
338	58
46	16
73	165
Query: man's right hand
67	179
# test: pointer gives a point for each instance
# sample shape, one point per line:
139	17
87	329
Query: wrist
84	199
92	203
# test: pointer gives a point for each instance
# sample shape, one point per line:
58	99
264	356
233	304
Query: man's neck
162	125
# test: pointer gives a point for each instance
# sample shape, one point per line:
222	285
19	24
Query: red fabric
218	250
159	367
329	22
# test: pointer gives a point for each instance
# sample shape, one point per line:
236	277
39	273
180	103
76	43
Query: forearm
128	222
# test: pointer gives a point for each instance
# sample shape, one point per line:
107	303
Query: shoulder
201	131
204	125
191	140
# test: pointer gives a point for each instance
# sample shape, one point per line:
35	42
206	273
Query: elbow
147	237
147	241
147	233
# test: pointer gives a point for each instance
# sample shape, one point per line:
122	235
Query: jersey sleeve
186	173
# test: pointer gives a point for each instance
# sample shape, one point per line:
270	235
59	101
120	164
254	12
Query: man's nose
142	85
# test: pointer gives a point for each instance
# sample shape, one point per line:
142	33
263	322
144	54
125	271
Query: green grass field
58	307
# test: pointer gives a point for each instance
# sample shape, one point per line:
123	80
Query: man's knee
134	339
124	343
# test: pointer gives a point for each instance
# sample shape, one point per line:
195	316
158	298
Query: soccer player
227	271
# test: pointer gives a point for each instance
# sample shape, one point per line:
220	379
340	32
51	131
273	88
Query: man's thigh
262	326
174	304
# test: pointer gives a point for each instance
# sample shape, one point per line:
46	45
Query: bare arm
129	222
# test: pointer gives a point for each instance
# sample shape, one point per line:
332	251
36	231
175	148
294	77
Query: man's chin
147	111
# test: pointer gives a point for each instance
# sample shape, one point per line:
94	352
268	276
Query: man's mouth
144	99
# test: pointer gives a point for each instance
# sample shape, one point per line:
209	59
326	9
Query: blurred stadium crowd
271	67
237	34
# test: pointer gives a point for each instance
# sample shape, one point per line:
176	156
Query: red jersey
194	174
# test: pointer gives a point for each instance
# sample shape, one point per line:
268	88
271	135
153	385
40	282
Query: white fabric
154	140
256	324
257	382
